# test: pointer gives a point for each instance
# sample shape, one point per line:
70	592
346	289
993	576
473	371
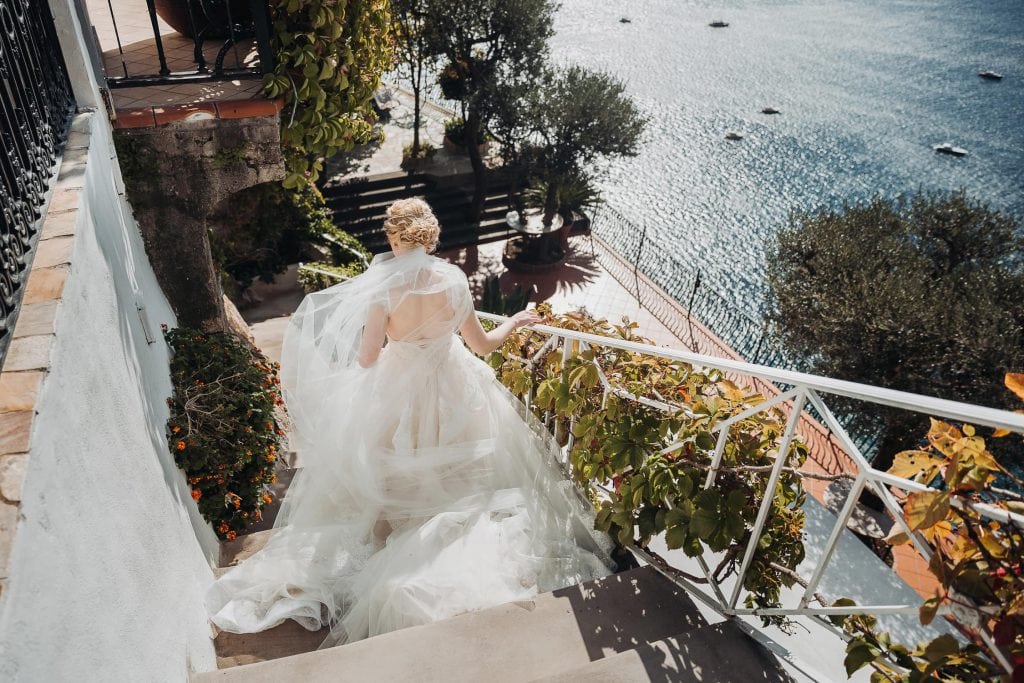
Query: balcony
156	75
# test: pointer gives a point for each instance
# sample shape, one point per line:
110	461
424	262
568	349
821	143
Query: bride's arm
373	336
483	342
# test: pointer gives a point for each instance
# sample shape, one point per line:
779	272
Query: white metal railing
802	389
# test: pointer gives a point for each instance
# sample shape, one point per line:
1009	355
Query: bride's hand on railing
527	317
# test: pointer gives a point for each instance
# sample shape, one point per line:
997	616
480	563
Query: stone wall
175	175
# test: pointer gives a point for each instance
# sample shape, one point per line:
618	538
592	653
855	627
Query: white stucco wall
110	561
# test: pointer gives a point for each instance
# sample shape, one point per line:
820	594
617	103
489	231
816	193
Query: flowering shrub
658	489
223	430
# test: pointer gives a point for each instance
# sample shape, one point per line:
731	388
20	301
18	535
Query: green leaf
736	500
705	441
929	609
941	647
858	655
839	619
675	537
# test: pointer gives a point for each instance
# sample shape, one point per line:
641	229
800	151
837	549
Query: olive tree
921	293
489	45
572	119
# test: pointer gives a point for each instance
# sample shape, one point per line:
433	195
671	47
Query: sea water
865	89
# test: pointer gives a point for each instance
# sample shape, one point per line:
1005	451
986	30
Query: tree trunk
416	121
417	87
477	162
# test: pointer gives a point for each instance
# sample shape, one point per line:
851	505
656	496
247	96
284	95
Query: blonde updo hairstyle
412	223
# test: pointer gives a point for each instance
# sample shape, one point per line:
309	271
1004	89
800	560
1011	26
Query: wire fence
694	308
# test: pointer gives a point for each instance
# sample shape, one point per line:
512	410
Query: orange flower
196	494
231	536
223	528
257	515
273	478
175	429
271	457
180	446
267	499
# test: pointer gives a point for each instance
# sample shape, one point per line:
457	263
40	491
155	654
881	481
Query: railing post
769	494
261	26
833	539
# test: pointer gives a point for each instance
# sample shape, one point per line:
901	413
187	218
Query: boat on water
770	110
718	23
625	20
990	75
946	148
733	136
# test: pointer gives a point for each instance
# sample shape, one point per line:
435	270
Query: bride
426	489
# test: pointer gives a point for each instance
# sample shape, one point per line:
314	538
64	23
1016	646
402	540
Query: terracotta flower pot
210	16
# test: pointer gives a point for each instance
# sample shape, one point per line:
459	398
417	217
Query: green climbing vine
330	57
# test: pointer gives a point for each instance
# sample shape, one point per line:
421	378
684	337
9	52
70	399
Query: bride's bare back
421	311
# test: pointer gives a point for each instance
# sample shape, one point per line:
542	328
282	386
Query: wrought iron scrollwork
36	103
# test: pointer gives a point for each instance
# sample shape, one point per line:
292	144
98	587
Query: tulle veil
425	488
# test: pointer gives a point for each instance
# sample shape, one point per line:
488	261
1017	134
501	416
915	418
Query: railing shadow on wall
36	106
793	392
239	31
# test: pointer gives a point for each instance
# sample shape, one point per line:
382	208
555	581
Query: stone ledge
149	117
28	357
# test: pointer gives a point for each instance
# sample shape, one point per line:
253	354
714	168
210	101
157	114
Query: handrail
805	388
980	415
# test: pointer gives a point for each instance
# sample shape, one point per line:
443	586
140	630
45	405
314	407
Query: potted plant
417	162
455	137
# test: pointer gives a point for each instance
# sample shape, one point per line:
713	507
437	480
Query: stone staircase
631	626
359	207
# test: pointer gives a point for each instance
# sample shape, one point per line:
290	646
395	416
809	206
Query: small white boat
990	75
946	148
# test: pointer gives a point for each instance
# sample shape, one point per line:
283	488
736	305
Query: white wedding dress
426	489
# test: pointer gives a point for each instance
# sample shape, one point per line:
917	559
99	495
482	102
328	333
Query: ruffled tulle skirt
426	491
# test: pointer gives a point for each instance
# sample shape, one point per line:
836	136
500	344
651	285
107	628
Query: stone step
286	640
720	652
443	203
371	183
376	197
547	635
246	545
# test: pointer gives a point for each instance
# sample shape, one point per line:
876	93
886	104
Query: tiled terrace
125	35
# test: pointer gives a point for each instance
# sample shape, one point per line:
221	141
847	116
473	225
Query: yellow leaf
985	460
969	430
944	436
897	536
1015	383
1000	433
919	465
926	508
